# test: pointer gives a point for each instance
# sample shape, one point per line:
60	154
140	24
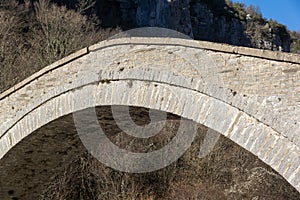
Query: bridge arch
121	72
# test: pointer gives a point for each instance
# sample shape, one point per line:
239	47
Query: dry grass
229	172
188	178
33	36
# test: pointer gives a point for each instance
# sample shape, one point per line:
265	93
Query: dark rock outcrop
215	27
201	20
172	14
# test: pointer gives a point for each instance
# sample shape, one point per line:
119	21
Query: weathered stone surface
252	99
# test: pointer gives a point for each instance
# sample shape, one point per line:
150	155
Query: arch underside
241	128
42	158
169	83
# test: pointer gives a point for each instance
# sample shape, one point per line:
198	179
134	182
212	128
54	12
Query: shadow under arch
243	129
89	80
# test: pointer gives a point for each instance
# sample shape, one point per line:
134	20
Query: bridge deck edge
45	70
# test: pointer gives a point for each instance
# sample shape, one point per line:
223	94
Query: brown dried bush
35	35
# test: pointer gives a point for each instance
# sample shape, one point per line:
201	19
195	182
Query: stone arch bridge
248	95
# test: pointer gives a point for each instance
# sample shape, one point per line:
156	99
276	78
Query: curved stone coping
287	126
252	52
45	70
220	47
246	131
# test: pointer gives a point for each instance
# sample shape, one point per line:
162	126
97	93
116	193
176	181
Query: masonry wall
250	96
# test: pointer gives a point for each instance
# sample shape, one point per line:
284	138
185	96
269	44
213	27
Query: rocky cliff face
222	25
202	22
172	14
211	26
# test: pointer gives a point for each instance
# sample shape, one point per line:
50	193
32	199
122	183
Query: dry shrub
12	42
86	178
226	173
59	31
194	190
83	5
35	35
